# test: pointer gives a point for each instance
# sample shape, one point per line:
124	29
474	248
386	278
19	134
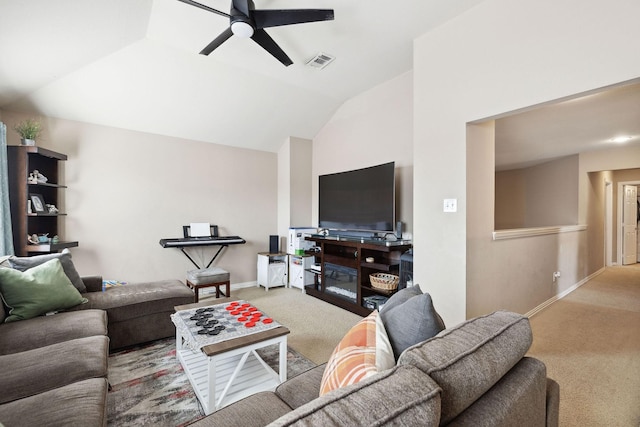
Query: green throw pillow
25	263
37	291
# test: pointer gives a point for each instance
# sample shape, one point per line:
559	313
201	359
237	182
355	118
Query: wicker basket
384	281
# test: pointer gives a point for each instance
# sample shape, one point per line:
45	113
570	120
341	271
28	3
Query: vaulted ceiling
134	64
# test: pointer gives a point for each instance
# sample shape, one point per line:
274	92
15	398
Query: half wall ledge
517	233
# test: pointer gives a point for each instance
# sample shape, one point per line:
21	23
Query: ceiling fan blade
243	6
261	37
217	42
275	18
204	7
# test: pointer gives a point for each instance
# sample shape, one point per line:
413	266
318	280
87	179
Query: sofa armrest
93	283
553	403
302	388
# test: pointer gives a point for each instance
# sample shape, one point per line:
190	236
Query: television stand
339	254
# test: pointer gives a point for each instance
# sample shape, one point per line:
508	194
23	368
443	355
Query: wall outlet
556	275
450	205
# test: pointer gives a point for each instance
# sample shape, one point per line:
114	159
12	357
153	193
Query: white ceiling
134	64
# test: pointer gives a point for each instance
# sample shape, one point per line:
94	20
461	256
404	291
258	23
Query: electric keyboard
201	241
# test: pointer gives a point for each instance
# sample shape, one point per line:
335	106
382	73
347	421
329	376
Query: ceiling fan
246	21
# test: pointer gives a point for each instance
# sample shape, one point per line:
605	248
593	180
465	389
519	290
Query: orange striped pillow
362	352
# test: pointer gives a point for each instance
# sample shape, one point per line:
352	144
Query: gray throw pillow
25	263
401	297
411	322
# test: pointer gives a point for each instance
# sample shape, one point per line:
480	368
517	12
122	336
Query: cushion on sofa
39	290
256	410
400	396
468	359
46	330
409	318
139	299
79	404
362	352
25	263
302	388
518	399
46	368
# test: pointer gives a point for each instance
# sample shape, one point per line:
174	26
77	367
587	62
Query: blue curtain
6	243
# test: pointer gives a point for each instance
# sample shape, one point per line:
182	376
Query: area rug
149	387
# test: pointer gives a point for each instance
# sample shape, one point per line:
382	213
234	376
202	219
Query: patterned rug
149	386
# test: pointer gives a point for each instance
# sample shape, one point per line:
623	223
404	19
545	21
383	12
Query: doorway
627	232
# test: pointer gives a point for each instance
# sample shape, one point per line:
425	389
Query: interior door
630	225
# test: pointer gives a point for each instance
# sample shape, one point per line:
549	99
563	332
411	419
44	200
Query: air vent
321	60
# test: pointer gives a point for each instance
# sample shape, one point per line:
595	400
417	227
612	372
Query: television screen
362	199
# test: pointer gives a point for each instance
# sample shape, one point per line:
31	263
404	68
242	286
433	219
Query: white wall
500	56
127	190
372	128
294	186
301	182
284	191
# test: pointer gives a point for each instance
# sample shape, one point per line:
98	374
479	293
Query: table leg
178	343
211	371
283	360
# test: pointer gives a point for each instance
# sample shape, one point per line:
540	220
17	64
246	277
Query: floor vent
321	60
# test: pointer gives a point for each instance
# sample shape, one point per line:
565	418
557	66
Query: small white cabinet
272	270
299	266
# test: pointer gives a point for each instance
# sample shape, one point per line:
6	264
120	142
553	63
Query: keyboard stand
210	262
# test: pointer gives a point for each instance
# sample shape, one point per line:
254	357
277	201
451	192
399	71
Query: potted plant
29	131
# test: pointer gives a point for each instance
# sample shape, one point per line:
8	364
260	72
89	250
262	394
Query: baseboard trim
563	294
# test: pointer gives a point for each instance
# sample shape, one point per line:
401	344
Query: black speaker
274	243
399	229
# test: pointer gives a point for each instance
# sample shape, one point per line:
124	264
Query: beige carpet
590	342
316	326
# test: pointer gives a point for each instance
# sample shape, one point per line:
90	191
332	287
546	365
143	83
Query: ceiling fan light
242	29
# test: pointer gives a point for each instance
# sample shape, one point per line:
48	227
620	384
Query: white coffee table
231	370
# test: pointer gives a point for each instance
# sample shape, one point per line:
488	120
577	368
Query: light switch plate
450	205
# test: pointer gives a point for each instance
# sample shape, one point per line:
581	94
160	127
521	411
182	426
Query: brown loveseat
474	374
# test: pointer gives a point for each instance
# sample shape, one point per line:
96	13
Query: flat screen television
358	200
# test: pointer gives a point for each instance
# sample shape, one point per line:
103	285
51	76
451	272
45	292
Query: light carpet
590	342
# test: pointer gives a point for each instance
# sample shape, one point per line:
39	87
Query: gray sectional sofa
54	367
474	374
54	370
